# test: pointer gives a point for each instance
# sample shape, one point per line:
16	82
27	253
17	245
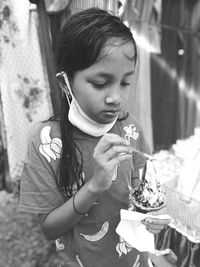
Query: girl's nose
114	97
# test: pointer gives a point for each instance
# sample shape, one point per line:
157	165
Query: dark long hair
79	46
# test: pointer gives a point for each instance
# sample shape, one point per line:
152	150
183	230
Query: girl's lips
114	111
111	113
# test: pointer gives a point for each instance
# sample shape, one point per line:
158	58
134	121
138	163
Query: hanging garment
53	6
189	109
109	5
175	75
23	85
138	14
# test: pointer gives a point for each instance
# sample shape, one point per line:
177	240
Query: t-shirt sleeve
38	189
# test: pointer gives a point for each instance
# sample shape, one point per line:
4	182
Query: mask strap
63	82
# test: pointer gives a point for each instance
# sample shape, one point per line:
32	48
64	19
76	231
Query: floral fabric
23	86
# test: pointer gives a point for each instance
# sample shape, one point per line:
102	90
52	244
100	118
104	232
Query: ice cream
148	195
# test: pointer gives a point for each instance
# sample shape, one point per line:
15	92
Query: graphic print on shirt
137	263
98	235
59	245
131	132
123	247
49	148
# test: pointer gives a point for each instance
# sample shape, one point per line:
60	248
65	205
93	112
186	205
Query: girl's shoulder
44	145
44	131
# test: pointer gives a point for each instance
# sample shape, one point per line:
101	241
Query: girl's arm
63	218
110	151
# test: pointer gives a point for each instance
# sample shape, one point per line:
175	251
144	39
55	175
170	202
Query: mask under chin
79	118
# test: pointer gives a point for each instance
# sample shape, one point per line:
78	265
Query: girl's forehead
115	57
118	46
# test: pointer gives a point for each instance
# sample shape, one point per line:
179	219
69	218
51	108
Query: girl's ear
64	83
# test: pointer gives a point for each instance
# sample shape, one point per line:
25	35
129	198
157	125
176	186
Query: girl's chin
109	117
107	120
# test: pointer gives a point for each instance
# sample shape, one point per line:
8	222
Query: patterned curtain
23	84
175	74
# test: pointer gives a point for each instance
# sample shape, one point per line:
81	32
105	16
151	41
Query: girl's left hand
154	225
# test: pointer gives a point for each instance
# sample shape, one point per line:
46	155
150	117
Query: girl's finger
156	221
155	227
160	211
108	140
116	151
119	159
153	231
156	224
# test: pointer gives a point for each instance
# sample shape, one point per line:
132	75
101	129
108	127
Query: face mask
78	117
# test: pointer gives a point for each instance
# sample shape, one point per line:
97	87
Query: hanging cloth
24	88
137	14
109	5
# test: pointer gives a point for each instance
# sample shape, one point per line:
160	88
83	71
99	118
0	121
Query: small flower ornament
59	246
49	148
130	133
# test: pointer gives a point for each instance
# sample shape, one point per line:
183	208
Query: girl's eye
99	85
125	84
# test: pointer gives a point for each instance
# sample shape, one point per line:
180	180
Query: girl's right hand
110	151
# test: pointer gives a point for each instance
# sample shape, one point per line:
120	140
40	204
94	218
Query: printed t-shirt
93	241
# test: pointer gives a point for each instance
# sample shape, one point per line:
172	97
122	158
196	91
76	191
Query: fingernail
148	220
127	142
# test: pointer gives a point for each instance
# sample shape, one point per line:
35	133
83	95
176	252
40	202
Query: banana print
123	247
49	148
56	145
137	263
99	235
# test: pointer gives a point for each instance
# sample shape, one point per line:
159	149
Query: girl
80	164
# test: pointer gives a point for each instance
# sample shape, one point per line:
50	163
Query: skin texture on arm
63	218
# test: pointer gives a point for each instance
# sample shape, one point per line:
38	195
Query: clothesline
186	30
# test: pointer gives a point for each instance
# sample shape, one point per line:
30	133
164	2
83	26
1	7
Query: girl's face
102	89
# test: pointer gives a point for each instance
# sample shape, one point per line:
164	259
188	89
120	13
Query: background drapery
109	5
175	73
188	253
191	67
23	84
137	15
